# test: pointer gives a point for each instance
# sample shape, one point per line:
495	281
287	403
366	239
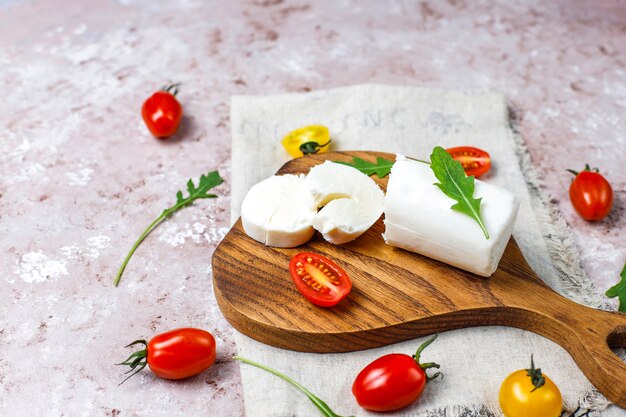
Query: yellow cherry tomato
307	140
528	393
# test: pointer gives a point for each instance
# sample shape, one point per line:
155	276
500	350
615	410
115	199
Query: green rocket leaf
381	167
321	405
456	185
212	179
619	290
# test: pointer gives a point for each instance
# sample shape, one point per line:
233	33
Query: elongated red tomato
162	113
320	280
475	161
591	194
393	381
176	354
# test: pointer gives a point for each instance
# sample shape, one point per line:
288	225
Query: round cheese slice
351	201
278	211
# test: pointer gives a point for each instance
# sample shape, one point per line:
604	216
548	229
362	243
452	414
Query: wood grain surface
399	295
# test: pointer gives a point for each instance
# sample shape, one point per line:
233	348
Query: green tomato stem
423	346
427	365
136	361
321	405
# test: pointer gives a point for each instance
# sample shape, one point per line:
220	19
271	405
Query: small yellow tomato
528	393
307	140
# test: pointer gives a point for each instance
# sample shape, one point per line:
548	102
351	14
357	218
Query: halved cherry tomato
591	194
320	280
475	161
307	140
176	354
393	381
162	113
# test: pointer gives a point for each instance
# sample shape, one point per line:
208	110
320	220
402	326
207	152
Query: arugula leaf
619	290
321	405
456	185
212	179
382	167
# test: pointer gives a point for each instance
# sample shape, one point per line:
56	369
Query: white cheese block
351	201
418	218
278	211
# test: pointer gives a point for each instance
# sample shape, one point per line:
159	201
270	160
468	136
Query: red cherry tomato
475	161
320	280
392	381
162	112
176	354
591	194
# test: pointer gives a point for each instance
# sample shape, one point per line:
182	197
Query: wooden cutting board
399	295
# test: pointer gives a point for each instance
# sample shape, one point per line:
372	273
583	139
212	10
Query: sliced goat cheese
278	211
351	201
418	218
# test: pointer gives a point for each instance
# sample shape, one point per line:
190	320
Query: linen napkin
411	121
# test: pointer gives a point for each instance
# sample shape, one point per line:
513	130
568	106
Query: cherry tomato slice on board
162	113
591	194
320	280
475	161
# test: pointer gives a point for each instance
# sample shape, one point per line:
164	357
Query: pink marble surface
80	176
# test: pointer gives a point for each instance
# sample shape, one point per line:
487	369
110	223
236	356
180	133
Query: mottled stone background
80	177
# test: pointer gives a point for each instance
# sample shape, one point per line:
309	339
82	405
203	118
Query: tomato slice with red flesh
475	161
320	280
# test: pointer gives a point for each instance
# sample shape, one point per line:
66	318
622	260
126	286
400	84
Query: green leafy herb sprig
381	167
619	290
456	185
212	179
321	405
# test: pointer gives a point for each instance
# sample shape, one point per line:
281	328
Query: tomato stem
136	361
171	88
535	375
321	405
587	168
427	365
423	346
311	147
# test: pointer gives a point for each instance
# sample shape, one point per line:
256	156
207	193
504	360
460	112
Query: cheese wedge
278	211
418	218
351	201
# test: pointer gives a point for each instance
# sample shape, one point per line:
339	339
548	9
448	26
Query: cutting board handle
590	345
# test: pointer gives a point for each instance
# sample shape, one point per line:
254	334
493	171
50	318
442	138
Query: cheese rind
278	211
351	201
418	218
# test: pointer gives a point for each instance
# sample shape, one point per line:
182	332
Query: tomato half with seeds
475	161
320	280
